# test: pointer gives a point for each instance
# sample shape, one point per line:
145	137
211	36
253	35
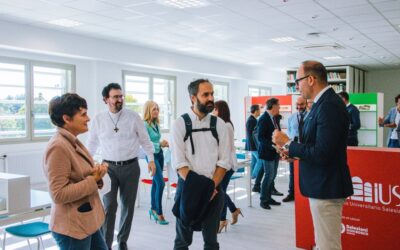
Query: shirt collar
348	104
194	116
321	93
271	116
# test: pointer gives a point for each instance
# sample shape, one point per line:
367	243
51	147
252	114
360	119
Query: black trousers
210	225
352	141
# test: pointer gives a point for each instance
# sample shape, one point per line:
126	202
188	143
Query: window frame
259	89
220	83
151	77
29	94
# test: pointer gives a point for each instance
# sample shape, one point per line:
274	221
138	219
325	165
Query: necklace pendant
116	129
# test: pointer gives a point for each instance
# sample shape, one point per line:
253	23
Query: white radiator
26	163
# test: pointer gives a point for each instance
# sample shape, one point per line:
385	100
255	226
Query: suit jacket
251	123
76	210
265	128
391	118
324	173
192	199
355	123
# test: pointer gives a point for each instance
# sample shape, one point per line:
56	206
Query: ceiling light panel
332	57
65	22
283	39
184	4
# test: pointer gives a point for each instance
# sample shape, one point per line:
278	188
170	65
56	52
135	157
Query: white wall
99	62
386	82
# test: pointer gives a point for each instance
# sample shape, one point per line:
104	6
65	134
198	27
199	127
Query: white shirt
124	144
208	153
321	93
231	141
394	135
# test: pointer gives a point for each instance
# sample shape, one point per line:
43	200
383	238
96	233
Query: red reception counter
371	217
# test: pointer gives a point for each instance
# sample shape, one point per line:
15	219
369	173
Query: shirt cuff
223	164
150	157
181	165
287	145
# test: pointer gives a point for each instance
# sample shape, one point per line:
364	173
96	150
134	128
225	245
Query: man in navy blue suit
354	115
324	173
267	123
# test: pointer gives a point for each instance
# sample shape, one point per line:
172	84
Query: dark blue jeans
256	164
228	202
291	178
393	143
95	241
157	188
270	169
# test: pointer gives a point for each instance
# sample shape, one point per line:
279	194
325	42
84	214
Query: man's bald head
317	70
301	104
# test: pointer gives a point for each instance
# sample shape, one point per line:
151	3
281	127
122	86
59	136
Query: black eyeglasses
297	81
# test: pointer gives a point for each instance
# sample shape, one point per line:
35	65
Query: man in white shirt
119	133
205	156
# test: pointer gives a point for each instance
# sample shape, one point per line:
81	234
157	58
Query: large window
259	91
140	87
26	87
221	91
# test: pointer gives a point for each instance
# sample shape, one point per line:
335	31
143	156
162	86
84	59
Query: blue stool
29	230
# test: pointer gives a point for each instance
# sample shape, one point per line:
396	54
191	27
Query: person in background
392	121
267	123
152	123
355	123
73	178
295	125
309	104
119	133
251	146
260	172
324	176
222	111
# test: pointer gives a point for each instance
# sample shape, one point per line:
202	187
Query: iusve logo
377	193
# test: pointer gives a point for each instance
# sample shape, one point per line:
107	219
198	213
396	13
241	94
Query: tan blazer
67	166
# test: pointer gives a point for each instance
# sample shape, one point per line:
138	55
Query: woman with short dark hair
73	178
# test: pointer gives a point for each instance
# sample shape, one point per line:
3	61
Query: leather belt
121	163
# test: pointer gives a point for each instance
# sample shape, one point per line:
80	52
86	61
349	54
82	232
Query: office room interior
154	49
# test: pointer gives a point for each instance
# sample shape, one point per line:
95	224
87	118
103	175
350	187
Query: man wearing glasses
324	173
119	133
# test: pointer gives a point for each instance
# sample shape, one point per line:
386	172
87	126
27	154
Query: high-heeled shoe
161	220
151	214
223	224
235	216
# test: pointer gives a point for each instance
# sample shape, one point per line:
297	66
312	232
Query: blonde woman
152	122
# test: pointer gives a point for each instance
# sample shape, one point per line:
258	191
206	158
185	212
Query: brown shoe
223	224
235	216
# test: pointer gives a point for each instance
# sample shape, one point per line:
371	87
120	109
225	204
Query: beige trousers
327	220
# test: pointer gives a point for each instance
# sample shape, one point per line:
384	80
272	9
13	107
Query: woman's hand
99	171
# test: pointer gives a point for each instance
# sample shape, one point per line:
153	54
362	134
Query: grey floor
258	229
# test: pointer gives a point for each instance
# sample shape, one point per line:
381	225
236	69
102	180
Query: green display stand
370	106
